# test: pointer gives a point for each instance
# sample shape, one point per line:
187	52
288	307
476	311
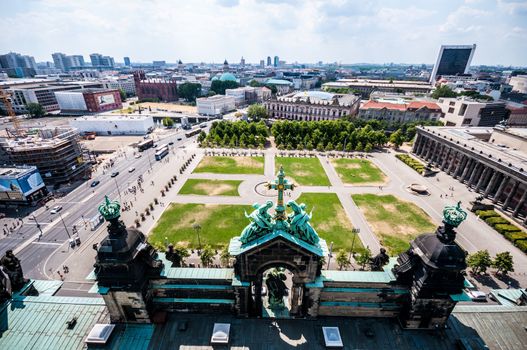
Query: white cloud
295	30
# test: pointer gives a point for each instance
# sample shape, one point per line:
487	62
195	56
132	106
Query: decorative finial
110	209
454	215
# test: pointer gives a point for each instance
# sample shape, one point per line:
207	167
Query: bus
161	152
192	132
146	144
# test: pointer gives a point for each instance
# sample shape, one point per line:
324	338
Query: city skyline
211	31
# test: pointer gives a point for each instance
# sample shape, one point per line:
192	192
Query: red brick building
165	90
98	100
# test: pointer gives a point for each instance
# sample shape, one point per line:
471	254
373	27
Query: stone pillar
474	174
312	299
296	296
431	146
447	154
425	147
242	295
258	304
439	153
417	143
483	177
492	182
500	189
435	152
511	194
468	166
520	203
459	167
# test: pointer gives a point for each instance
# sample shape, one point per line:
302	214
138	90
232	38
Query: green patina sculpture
296	223
299	225
454	216
276	288
261	222
110	209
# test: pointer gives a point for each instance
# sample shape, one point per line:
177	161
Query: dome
228	77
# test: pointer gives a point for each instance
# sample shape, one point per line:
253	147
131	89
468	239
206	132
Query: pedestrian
440	196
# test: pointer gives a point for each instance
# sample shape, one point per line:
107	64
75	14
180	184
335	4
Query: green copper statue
299	225
261	222
276	288
110	209
454	215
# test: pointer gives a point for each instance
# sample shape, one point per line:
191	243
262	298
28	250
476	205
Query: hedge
495	220
504	227
411	162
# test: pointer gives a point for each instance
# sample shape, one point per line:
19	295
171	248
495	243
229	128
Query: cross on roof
280	184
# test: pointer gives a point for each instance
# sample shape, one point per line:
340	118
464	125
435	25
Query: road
78	207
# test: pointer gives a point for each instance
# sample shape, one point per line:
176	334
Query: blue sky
346	31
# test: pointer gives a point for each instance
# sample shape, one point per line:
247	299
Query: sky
344	31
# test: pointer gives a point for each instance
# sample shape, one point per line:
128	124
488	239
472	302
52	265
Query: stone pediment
236	247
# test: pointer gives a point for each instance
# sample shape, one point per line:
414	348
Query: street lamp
65	227
38	226
356	232
197	228
330	254
119	192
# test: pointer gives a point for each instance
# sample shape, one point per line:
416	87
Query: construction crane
4	96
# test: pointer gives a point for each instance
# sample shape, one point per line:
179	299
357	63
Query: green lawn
211	187
395	222
231	165
330	220
219	223
358	171
303	171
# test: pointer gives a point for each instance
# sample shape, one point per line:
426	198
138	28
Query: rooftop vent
99	334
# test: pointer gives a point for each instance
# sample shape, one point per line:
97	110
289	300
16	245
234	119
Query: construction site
55	151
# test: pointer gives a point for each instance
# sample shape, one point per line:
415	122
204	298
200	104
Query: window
463	109
451	110
467	121
451	103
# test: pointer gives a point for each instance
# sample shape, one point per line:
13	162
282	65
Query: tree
443	91
273	89
225	257
342	259
254	83
189	91
123	95
503	263
207	256
219	86
479	262
256	112
201	137
397	138
168	122
364	258
368	147
35	110
180	254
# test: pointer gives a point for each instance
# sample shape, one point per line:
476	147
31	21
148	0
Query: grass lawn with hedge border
394	221
358	172
303	171
330	220
211	187
231	165
411	162
219	223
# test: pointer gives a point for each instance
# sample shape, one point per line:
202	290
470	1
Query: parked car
170	143
114	174
476	295
179	139
95	183
131	170
55	209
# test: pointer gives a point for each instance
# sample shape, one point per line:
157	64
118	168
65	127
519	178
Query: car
114	174
55	209
131	170
155	145
179	139
138	155
95	183
170	143
476	295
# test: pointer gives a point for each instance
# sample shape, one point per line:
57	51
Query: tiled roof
401	106
381	105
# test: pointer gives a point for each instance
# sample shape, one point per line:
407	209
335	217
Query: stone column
500	189
431	146
511	194
468	166
483	178
452	162
494	178
447	154
459	167
520	204
425	148
296	292
438	154
417	144
435	152
474	174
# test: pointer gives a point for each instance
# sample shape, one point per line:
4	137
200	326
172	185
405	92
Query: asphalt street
78	207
